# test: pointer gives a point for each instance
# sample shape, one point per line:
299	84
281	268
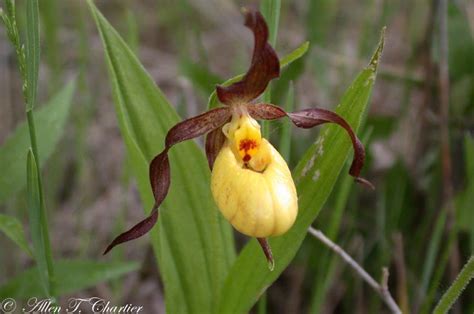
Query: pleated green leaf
192	242
315	176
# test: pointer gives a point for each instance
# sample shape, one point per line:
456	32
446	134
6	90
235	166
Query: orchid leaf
315	177
192	242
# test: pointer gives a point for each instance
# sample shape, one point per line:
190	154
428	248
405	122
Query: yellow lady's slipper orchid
250	182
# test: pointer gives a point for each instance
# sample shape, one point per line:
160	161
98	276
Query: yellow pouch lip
258	204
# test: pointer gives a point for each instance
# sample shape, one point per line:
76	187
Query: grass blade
454	291
271	11
285	134
465	199
32	51
51	119
439	271
315	175
36	204
294	55
50	14
35	213
13	229
192	242
433	249
76	275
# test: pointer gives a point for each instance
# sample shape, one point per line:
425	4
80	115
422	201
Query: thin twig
381	289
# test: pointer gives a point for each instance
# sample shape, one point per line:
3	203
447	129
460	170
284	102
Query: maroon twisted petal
264	67
160	175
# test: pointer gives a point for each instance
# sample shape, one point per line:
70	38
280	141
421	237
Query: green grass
452	294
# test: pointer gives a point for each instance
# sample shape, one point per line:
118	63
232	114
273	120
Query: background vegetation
99	119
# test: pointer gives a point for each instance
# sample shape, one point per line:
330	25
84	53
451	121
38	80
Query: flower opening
245	139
